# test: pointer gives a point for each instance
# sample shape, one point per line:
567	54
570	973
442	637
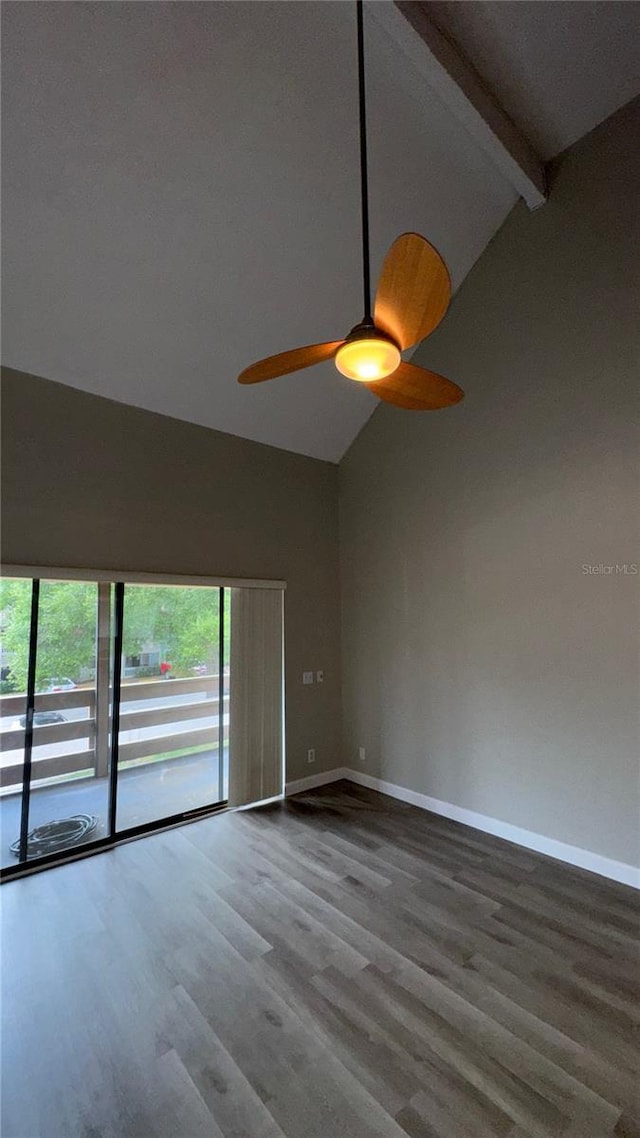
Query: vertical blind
256	700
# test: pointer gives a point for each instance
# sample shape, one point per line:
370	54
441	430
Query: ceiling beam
449	73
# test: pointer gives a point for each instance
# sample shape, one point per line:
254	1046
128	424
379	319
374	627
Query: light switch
307	677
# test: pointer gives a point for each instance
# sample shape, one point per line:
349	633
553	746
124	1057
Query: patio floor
145	794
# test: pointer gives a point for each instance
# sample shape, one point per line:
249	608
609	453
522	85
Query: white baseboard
562	851
313	780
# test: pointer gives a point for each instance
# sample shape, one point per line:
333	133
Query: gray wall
94	484
481	665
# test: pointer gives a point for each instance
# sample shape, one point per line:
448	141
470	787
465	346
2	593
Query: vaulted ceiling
559	67
181	185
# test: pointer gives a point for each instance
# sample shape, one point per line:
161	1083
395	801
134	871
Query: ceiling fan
413	295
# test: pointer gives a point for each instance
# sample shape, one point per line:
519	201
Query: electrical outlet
362	754
307	677
319	677
311	755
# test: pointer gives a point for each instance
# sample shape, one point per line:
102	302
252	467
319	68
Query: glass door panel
68	791
15	625
225	686
172	731
69	797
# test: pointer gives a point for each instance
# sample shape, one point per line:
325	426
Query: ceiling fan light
366	360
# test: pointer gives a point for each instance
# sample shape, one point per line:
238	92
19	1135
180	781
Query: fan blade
416	389
413	292
294	360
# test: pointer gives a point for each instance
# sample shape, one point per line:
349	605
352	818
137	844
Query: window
117	707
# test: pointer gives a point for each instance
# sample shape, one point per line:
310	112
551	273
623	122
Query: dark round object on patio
58	835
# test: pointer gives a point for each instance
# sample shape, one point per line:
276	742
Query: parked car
61	683
43	718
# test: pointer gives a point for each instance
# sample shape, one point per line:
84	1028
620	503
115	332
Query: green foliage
66	629
181	622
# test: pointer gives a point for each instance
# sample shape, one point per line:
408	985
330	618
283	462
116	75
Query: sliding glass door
49	718
114	712
174	695
15	609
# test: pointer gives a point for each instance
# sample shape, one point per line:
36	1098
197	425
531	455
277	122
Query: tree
66	629
180	622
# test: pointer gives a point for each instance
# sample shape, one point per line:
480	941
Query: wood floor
339	965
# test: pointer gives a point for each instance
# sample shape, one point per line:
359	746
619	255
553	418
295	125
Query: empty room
320	584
